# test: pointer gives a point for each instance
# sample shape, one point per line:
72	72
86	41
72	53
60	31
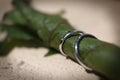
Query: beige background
101	18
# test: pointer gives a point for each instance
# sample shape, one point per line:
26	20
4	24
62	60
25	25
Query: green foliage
16	36
31	28
51	52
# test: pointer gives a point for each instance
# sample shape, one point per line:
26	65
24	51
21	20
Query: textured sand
99	18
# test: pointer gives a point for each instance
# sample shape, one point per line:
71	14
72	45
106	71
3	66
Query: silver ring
77	52
65	37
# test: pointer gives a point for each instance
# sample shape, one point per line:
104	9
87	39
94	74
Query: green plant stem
100	56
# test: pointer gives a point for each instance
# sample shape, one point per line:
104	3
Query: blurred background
98	17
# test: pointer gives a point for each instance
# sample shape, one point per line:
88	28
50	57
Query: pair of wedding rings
80	35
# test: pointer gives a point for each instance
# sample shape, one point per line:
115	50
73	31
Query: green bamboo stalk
101	56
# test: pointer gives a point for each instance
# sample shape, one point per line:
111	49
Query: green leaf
51	52
101	56
15	31
14	16
17	37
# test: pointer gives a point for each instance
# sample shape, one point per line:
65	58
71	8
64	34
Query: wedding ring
77	52
66	36
80	35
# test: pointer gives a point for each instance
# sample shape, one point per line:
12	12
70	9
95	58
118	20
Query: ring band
65	37
80	35
77	52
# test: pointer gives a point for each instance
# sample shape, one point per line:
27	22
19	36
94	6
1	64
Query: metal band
66	36
80	35
77	52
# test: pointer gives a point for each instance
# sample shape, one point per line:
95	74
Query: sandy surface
99	18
